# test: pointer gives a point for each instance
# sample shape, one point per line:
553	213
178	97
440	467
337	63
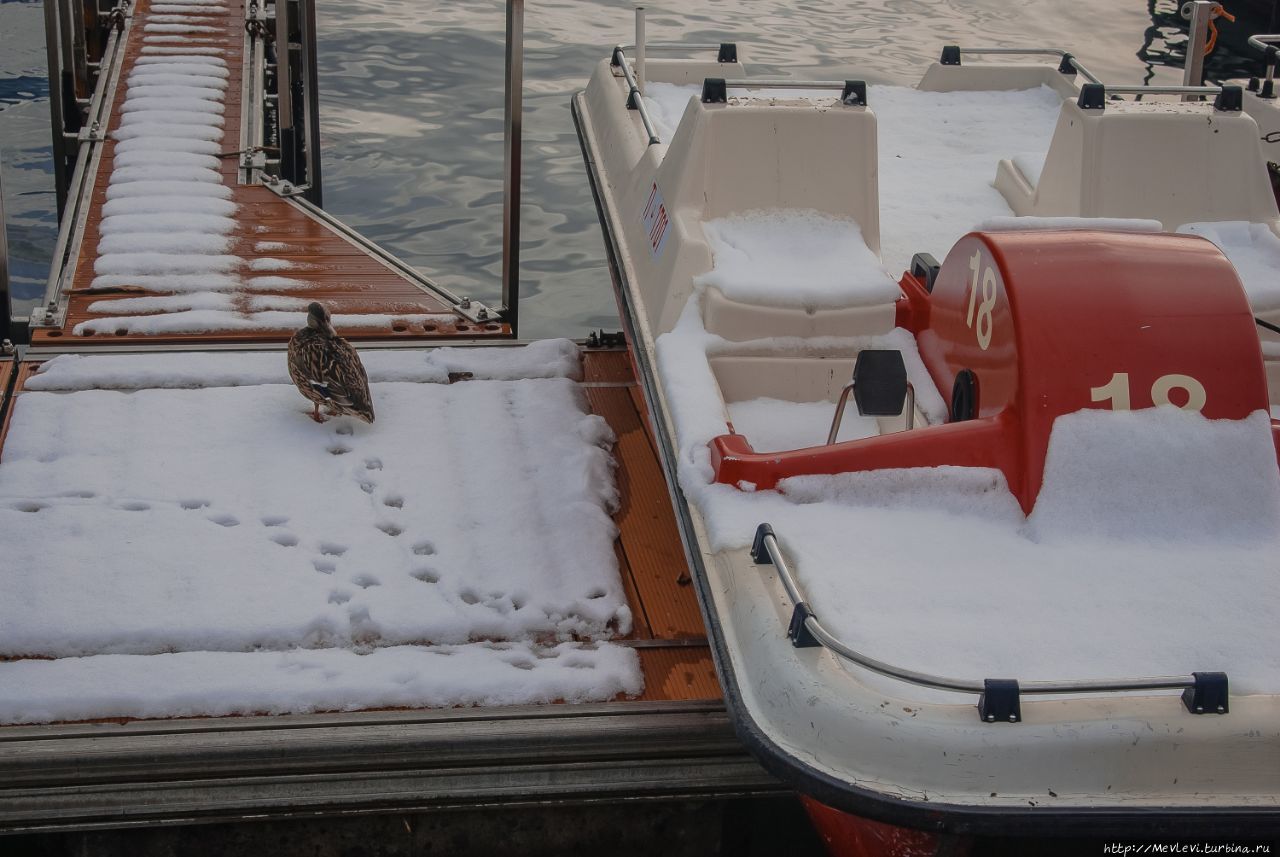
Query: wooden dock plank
646	522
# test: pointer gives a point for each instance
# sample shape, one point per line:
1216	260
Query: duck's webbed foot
315	414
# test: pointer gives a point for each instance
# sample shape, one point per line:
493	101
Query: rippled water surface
411	113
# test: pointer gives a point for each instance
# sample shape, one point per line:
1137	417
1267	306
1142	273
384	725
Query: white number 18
1117	391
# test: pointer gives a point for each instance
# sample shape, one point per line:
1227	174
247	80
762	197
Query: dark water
411	113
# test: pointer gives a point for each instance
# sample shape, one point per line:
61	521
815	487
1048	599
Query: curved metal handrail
634	97
1203	692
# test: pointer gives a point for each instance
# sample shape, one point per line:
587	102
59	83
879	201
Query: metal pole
79	52
1197	36
6	297
284	91
311	104
640	49
51	38
511	160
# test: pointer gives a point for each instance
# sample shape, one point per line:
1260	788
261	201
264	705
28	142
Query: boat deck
274	236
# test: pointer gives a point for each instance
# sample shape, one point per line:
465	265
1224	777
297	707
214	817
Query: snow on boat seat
726	162
214	551
1171	161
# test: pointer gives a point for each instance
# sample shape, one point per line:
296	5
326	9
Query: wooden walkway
654	570
273	236
668	632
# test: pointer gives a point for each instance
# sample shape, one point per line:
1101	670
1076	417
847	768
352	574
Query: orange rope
1216	12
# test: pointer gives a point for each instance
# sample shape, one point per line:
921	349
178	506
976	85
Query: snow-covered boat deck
169	245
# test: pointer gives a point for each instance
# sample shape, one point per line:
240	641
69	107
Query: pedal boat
1081	300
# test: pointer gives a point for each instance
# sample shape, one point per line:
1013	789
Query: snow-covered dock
182	541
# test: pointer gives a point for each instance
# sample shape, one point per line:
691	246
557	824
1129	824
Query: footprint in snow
224	520
286	540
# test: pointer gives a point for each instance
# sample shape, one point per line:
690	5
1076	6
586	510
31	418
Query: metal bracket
798	632
758	551
854	94
283	188
1208	695
950	55
1066	66
1230	99
728	52
925	267
91	134
1093	96
1000	701
474	310
714	91
604	339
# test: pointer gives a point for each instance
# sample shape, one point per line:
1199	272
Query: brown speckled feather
328	372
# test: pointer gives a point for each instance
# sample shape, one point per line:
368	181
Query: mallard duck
328	370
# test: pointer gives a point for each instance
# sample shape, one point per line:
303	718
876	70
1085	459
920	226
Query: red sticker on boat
656	222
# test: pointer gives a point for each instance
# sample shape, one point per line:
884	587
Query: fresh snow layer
772	425
794	258
1254	250
550	358
938	158
1105	224
217	684
219	523
206	321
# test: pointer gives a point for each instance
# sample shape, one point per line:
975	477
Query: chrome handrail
766	551
72	222
634	97
1065	56
1267	43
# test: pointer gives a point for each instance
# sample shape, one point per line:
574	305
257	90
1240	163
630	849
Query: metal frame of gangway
281	106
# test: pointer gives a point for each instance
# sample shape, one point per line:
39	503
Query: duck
328	370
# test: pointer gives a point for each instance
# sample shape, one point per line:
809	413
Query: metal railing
635	98
6	298
76	192
1203	692
1069	65
1267	45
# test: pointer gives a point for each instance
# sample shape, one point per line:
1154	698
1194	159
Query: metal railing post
6	297
311	101
284	92
640	40
512	120
52	37
1197	36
